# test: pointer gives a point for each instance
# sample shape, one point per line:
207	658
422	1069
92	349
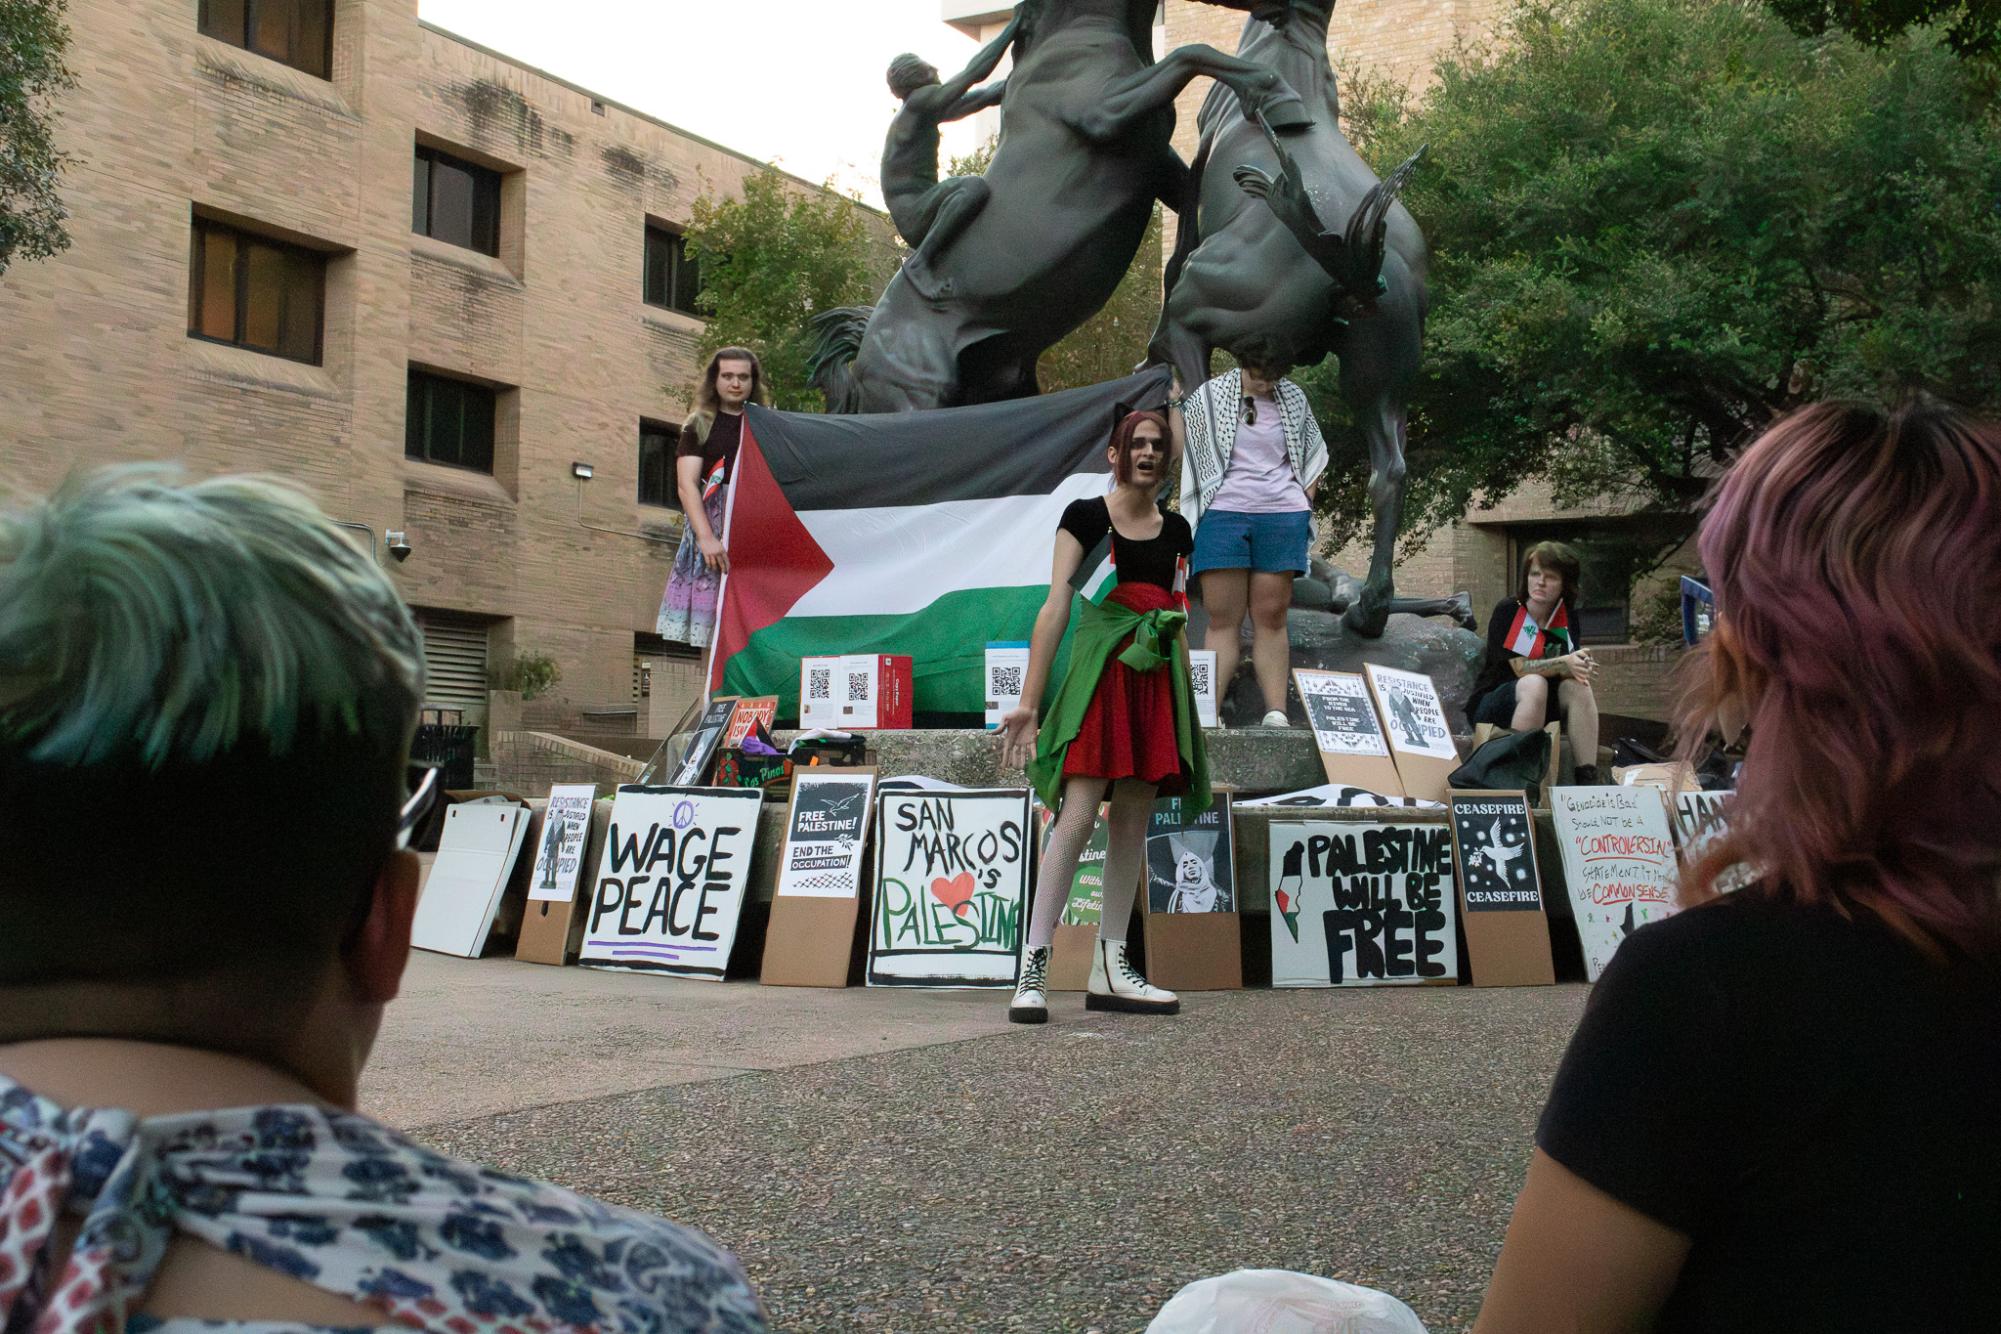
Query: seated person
1778	1113
207	696
1533	653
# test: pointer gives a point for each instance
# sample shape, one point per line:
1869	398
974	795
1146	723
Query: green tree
1656	225
1112	343
32	40
774	256
1971	27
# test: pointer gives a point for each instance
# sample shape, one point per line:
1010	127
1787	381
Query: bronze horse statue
1255	266
1084	154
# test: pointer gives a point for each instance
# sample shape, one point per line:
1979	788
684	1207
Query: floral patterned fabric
340	1202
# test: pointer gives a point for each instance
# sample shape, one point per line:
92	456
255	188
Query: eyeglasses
421	782
1250	411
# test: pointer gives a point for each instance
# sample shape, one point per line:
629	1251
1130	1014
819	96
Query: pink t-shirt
1260	478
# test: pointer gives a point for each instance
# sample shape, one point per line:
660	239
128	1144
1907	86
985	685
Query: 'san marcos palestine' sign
670	886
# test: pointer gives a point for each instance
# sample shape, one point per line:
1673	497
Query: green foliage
772	258
1971	27
1111	344
32	40
1657	224
532	673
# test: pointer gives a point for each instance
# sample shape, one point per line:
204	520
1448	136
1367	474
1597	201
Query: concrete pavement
898	1160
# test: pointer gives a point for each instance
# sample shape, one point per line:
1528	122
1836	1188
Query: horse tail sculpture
838	337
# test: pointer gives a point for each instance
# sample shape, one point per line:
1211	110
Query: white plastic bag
1281	1301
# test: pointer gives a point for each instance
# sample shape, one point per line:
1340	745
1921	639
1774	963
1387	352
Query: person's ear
1735	684
380	949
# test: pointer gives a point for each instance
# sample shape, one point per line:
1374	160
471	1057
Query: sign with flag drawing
920	533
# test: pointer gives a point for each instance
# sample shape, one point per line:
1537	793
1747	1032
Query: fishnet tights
1132	803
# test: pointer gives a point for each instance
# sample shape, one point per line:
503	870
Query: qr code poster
825	833
1202	684
1007	672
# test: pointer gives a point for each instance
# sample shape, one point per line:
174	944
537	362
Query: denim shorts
1270	543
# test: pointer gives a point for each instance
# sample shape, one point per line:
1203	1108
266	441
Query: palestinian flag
1526	639
922	533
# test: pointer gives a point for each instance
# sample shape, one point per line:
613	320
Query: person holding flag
1122	720
704	462
1533	654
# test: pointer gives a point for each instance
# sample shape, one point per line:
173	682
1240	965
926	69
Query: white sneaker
1276	718
1117	985
1031	1003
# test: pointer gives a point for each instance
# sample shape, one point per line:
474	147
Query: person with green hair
207	696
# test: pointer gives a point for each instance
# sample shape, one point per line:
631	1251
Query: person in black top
1780	1111
1533	652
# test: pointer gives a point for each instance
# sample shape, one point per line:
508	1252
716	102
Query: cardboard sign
552	931
1339	796
476	855
818	892
951	888
1202	684
1414	721
855	692
1077	929
751	711
1358	904
1701	819
1618	864
559	845
708	738
1194	941
670	884
1500	890
1007	671
1346	731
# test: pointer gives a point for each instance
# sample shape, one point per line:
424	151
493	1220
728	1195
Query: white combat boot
1031	1004
1117	985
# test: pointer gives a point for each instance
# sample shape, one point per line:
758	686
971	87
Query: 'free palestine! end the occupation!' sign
670	885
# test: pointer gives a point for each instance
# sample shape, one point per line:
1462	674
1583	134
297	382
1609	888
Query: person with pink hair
1779	1111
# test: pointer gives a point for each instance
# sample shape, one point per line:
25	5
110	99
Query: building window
255	292
657	486
298	33
449	422
453	200
672	279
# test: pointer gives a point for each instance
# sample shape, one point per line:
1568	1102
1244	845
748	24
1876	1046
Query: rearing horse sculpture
1254	265
1084	154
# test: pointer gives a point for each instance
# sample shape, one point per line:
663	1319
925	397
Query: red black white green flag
922	533
1528	640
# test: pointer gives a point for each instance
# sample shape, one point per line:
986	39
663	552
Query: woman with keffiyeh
1533	654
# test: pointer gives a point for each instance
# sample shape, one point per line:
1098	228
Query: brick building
322	239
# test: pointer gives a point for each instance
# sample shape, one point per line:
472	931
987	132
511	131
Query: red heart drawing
956	893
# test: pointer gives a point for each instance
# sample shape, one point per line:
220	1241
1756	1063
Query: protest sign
476	855
951	887
1618	864
1359	903
1339	796
752	711
552	930
1193	938
1419	736
818	891
1500	890
707	740
1701	819
670	884
559	855
1346	731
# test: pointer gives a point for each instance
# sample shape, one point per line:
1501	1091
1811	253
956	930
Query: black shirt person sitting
1533	653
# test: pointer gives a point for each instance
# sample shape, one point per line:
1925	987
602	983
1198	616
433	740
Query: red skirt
1128	730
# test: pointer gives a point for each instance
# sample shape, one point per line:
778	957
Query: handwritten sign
951	888
559	857
1362	904
1701	820
824	834
670	885
1618	864
1190	864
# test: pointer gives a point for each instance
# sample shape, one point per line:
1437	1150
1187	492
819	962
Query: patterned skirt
688	607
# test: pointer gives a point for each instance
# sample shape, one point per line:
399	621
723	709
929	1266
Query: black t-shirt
1494	669
1815	1104
725	434
1139	562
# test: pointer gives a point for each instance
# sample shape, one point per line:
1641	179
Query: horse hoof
1367	617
